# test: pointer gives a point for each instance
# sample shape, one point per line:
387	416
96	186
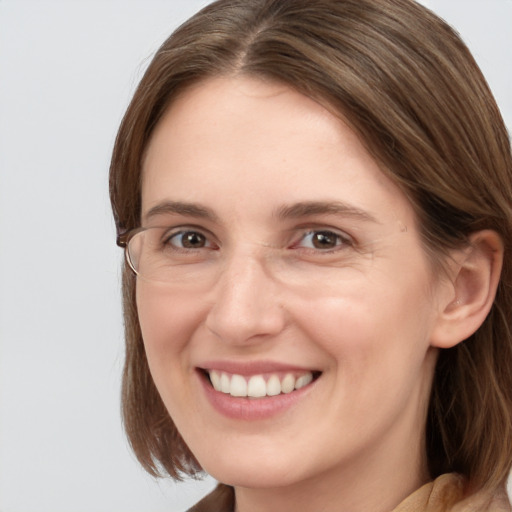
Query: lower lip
251	409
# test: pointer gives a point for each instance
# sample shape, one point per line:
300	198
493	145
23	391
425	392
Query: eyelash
341	240
169	237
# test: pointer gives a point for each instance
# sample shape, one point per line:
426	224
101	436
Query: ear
474	276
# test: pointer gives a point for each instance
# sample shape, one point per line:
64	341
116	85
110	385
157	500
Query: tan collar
444	494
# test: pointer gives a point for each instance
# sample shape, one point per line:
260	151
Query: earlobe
474	281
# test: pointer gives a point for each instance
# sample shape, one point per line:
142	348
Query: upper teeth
257	386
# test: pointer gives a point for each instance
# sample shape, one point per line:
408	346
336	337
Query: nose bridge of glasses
247	301
256	257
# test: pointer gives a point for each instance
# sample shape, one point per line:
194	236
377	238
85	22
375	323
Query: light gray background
67	69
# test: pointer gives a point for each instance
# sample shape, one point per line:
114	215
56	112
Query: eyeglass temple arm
122	238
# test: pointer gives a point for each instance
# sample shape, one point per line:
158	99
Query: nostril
243	321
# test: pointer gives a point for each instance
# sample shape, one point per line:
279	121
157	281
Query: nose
246	306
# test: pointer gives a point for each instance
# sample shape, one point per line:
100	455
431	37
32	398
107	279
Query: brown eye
189	240
323	240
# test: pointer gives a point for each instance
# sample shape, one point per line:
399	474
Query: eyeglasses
163	254
145	252
189	258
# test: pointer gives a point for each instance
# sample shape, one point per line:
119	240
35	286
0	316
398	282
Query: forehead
257	144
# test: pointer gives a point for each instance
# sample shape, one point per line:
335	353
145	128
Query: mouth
259	385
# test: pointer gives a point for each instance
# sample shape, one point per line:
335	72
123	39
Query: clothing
444	494
221	499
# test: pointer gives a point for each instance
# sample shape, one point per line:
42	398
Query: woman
315	201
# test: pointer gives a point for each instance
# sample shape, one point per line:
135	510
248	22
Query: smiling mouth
261	385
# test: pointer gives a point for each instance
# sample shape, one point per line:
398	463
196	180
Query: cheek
379	349
377	324
167	323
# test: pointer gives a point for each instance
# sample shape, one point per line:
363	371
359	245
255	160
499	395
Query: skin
363	313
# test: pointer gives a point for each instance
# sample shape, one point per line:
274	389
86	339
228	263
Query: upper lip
252	367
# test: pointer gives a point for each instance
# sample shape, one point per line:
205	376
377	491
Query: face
296	276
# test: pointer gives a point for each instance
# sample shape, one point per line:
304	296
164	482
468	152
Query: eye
323	240
189	240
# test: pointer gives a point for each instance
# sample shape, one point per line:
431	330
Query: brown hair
409	87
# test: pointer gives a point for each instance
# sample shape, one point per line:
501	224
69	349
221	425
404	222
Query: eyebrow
293	211
181	208
308	208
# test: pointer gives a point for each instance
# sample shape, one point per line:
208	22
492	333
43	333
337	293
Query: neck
348	492
377	480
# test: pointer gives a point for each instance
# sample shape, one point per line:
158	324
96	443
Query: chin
253	475
257	467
